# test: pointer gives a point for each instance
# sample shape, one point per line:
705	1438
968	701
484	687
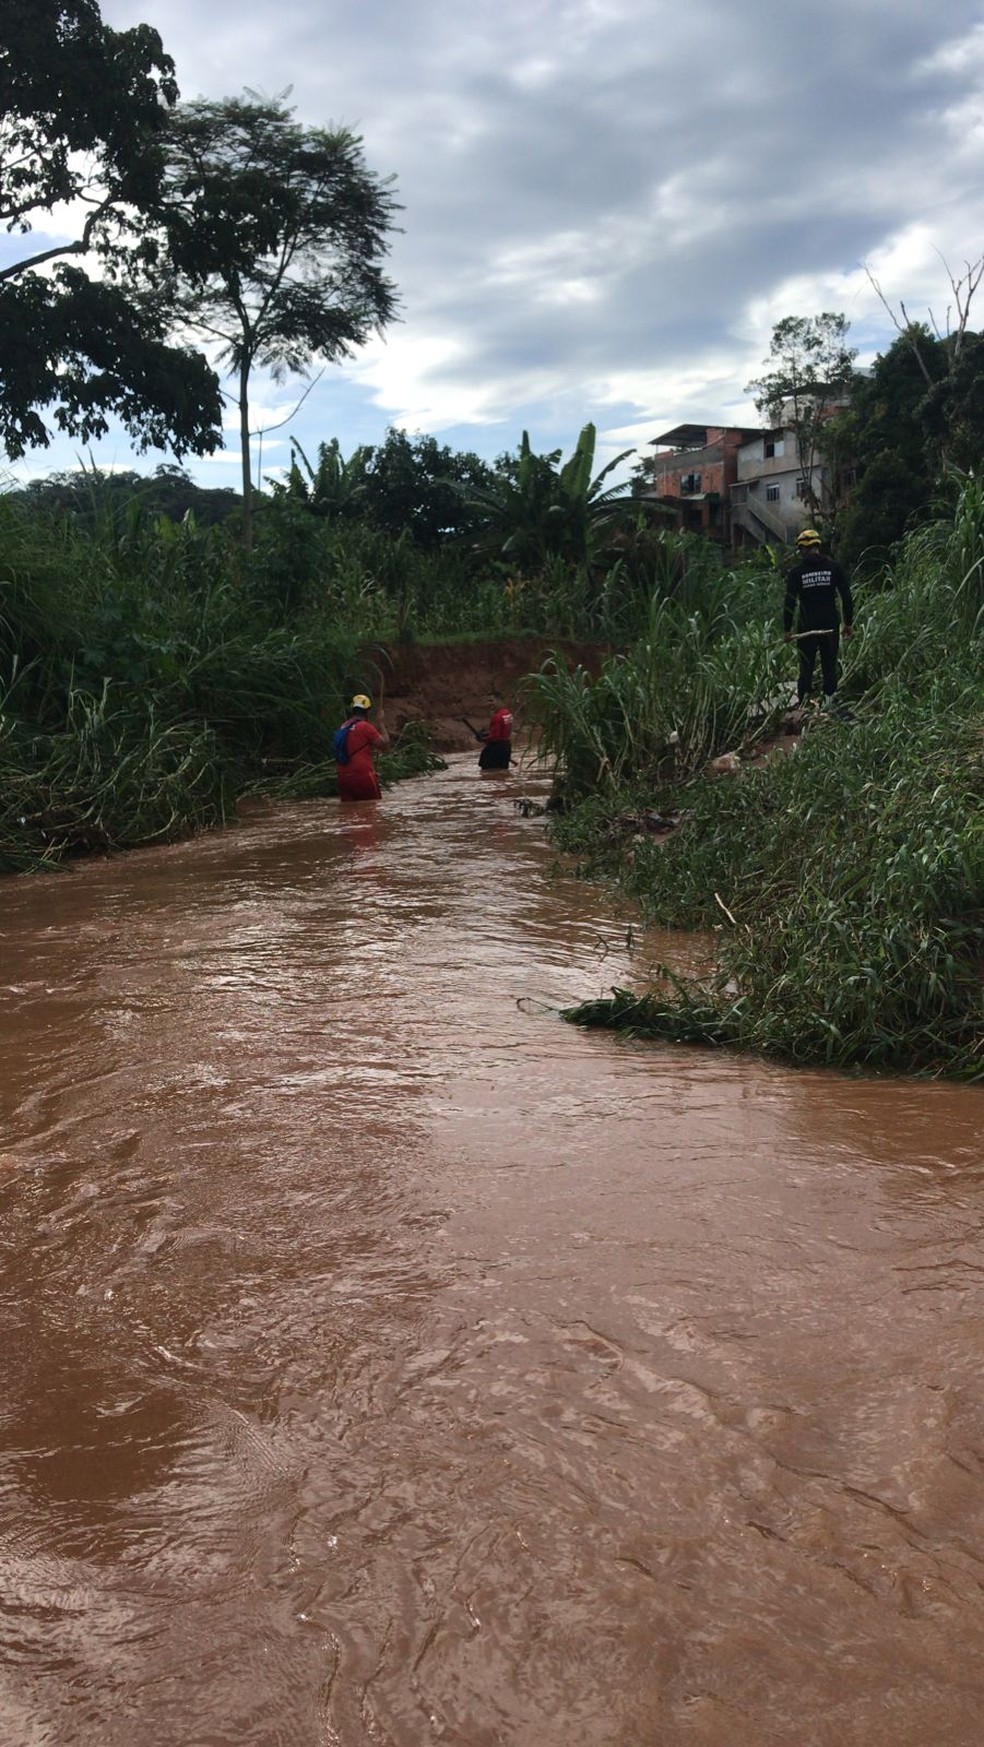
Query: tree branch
80	246
76	248
904	328
262	430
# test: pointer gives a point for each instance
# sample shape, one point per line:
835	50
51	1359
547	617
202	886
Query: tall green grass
148	676
845	883
151	670
706	673
112	775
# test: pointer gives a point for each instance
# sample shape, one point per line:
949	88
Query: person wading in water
355	743
812	588
496	754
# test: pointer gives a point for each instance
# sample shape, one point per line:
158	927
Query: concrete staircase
757	519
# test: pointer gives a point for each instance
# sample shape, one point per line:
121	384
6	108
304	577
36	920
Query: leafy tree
914	419
536	509
812	370
953	408
82	111
963	288
414	487
884	433
272	242
424	487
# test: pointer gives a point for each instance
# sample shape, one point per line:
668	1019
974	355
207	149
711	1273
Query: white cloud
608	203
959	56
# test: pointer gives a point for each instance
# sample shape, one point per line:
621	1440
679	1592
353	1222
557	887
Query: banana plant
537	509
334	488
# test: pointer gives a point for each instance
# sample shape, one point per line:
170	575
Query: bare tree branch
963	289
906	329
261	430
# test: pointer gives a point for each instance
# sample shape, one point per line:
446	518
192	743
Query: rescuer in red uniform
355	743
496	754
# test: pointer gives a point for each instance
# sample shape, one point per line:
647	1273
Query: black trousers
495	755
825	644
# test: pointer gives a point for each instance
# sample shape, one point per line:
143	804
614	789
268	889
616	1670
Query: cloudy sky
608	203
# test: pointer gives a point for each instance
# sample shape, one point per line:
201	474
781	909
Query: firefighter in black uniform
812	588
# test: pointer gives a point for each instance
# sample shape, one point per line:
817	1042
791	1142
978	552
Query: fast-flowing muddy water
385	1362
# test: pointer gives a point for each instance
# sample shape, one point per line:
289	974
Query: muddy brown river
385	1362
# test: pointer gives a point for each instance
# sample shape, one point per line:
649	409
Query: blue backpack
340	741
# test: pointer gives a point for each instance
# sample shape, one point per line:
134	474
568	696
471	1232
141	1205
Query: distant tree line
410	486
89	494
518	515
404	485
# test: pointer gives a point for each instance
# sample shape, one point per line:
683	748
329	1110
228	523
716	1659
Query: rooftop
684	436
695	436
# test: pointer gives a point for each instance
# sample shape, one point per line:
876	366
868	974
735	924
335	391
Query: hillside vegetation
845	883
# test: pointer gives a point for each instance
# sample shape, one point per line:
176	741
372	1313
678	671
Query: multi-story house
693	473
740	485
769	500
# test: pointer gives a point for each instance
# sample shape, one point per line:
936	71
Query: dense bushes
706	672
148	676
151	669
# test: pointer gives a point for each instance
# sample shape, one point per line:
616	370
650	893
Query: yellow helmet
809	537
361	702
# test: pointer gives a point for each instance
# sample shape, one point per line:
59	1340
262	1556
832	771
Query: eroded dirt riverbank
387	1362
448	686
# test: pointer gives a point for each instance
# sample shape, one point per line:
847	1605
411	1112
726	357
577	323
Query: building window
802	486
689	484
773	447
772	494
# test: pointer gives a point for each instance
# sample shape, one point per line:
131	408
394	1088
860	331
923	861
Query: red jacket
357	780
500	727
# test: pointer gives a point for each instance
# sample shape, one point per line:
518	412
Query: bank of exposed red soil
443	684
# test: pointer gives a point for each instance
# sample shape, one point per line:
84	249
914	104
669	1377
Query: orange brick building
692	474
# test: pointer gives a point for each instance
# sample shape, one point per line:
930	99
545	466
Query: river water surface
386	1362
